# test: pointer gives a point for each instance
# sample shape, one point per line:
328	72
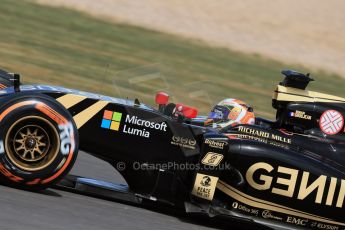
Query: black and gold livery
288	173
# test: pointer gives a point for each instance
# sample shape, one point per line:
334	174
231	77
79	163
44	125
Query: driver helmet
231	112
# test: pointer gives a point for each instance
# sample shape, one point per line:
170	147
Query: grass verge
63	47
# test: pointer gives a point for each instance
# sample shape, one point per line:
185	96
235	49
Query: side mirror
162	99
16	82
186	111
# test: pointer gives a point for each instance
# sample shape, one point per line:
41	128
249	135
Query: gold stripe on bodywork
283	93
262	204
70	100
86	115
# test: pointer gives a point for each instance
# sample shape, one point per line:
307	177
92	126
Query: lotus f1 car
289	173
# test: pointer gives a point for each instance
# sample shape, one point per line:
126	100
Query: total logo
112	121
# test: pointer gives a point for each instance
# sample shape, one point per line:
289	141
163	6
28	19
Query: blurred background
199	51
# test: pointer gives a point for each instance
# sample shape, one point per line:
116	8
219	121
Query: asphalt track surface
55	209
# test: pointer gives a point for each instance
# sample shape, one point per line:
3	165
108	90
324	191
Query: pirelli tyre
38	142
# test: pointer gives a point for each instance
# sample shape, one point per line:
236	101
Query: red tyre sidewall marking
9	175
58	118
61	121
14	107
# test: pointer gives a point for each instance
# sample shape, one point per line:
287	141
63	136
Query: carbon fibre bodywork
284	174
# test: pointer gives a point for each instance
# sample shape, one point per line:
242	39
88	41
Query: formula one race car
289	173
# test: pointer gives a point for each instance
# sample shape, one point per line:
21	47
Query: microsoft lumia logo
111	120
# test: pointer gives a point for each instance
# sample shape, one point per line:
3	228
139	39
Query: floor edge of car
98	189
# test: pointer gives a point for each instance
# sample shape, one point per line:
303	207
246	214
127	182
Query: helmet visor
219	113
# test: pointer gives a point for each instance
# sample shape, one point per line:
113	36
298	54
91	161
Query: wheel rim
32	143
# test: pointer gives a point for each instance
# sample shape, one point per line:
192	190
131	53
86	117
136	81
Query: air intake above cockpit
295	79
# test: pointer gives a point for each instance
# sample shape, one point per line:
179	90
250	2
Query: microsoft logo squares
111	120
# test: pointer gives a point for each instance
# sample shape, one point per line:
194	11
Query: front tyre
38	142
